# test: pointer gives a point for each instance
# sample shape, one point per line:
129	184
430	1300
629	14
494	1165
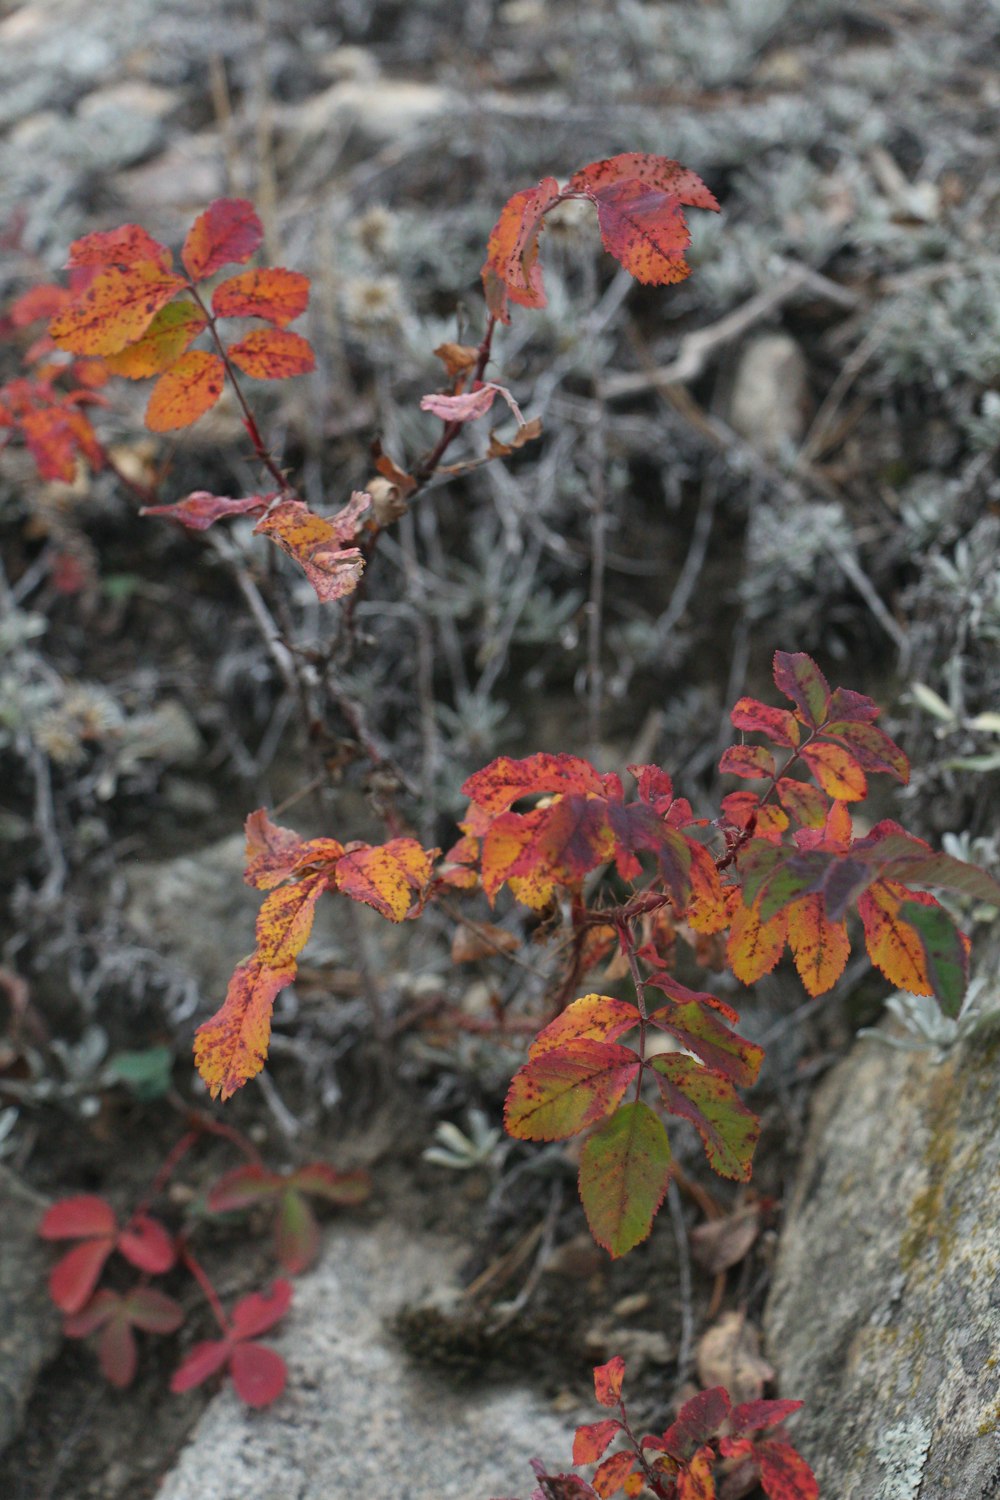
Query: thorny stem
626	941
651	1478
169	1166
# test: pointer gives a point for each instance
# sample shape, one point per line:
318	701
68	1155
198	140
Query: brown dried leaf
729	1354
722	1243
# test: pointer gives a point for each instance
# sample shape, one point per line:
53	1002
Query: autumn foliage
622	877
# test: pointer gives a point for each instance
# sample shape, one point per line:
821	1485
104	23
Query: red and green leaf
171	331
561	1092
729	1131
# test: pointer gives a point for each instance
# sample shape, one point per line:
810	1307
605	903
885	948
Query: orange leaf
695	1480
836	770
231	1047
279	296
51	442
115	309
390	877
285	920
819	947
512	250
272	852
37	302
505	780
893	945
273	354
591	1440
189	389
612	1473
608	1381
128	245
754	947
227	233
601	1018
175	327
313	542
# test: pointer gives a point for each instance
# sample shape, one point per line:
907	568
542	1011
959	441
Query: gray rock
884	1315
770	398
29	1324
357	1418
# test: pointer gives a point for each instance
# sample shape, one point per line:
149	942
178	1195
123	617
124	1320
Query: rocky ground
794	448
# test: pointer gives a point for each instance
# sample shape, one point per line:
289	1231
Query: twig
697	348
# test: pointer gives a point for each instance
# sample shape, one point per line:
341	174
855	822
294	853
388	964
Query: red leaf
273	354
189	389
562	1092
870	746
608	1381
126	246
74	1277
117	1353
73	1218
645	231
784	1474
658	171
204	1360
697	1421
51	442
755	1416
780	726
37	302
201	509
751	761
592	1440
147	1245
89	1319
115	310
279	296
258	1312
259	1375
227	233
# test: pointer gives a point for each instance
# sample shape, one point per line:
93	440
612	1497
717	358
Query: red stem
205	1285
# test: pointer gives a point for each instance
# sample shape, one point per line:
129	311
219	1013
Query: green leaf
946	954
624	1172
728	1129
146	1073
799	678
